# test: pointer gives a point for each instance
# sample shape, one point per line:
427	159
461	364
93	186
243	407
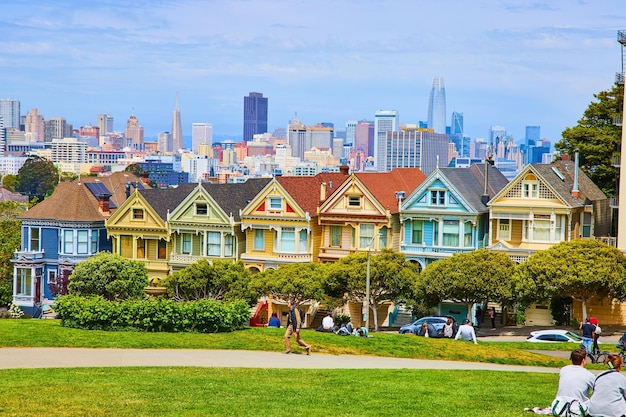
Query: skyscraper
351	131
34	125
201	133
457	123
437	106
105	123
496	135
254	115
10	113
177	128
134	133
384	121
533	134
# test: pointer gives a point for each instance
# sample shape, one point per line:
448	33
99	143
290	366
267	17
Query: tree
581	269
109	275
37	178
218	280
9	181
10	241
598	139
135	169
392	278
300	282
469	278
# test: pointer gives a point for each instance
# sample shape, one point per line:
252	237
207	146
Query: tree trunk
469	311
374	307
584	302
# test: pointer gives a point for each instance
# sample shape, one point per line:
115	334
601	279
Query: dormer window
354	201
137	214
437	197
202	209
276	203
530	187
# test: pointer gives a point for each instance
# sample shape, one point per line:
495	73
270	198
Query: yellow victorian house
139	230
207	223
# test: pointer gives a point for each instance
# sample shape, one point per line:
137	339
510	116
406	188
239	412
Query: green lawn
270	392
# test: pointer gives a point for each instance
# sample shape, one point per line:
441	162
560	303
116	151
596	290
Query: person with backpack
609	391
295	317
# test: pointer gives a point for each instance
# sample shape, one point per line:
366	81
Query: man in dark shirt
295	317
589	331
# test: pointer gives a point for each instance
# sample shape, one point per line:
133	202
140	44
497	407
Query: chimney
323	191
485	197
344	169
103	203
575	191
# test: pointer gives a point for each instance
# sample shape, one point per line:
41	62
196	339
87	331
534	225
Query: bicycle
598	356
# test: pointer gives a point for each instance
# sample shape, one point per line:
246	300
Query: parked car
436	321
554	335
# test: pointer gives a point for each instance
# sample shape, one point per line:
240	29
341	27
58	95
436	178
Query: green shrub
152	314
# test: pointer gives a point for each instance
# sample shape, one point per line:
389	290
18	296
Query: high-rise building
165	144
384	121
34	125
533	134
364	137
351	131
254	115
437	106
10	113
134	133
201	133
415	148
56	128
496	135
302	138
177	128
456	127
105	123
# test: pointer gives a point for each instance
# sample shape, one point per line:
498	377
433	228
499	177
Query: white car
554	335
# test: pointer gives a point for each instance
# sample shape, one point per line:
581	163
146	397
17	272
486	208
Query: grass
49	333
277	392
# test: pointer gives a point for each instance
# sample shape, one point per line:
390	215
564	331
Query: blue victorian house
61	231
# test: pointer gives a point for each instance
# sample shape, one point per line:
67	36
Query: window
162	249
68	241
259	239
228	245
34	238
354	201
451	233
586	229
276	204
335	236
24	281
437	197
186	244
467	234
141	248
202	209
288	240
82	242
541	227
304	241
530	189
137	214
382	237
52	276
417	230
214	243
366	236
436	233
504	229
94	241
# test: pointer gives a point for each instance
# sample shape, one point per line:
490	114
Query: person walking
478	315
295	317
492	317
588	335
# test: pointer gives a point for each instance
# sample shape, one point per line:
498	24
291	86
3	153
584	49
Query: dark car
436	321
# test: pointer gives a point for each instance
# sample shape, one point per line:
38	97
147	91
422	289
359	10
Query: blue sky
508	63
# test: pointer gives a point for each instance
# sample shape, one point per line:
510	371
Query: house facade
61	231
448	213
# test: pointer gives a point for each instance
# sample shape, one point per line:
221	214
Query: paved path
83	357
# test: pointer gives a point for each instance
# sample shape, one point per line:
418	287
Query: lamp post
367	290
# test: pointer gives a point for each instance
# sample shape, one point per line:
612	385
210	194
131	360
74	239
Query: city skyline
539	66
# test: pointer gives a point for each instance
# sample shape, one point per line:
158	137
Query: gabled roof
470	183
166	200
73	201
588	189
234	197
306	191
385	185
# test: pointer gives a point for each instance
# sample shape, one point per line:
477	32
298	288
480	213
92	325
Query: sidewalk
12	358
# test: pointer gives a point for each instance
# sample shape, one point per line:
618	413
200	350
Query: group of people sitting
582	393
450	329
346	329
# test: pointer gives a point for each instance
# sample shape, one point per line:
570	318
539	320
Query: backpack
568	407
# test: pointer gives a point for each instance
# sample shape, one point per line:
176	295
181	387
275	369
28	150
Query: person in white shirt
466	332
328	323
574	380
609	391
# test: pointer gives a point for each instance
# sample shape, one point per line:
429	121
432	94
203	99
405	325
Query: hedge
151	314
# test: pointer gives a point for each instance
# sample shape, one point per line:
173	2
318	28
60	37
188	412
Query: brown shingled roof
384	185
306	191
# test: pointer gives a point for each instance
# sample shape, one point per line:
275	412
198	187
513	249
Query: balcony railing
29	255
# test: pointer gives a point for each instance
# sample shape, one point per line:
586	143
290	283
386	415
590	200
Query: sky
508	63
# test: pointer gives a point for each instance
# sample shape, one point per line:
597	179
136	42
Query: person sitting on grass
466	332
274	321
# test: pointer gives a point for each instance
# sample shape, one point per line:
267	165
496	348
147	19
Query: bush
151	315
